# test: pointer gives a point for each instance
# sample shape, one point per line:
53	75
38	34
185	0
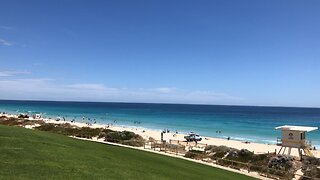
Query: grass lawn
31	154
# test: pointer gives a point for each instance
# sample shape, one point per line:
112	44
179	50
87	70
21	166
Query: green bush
243	155
68	129
219	154
310	167
124	137
193	154
117	136
137	141
219	151
18	122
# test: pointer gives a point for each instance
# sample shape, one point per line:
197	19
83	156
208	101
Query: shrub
193	154
70	130
281	162
310	167
102	135
137	141
219	151
16	122
123	137
46	127
118	136
243	155
219	154
86	132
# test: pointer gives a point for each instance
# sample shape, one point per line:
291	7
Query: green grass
32	154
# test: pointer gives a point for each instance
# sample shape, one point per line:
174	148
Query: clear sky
248	52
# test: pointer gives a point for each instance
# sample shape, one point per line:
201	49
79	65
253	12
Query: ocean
244	123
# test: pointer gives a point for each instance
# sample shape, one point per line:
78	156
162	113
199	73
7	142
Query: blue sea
244	123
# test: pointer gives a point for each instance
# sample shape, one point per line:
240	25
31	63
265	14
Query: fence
179	148
166	147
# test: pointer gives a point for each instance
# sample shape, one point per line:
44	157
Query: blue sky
209	52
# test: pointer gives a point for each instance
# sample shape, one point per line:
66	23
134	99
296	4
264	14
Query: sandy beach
257	148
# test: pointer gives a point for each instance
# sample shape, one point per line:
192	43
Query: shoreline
257	148
241	124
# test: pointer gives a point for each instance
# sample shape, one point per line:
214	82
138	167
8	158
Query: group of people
166	131
136	122
89	123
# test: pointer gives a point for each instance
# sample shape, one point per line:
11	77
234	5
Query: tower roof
297	128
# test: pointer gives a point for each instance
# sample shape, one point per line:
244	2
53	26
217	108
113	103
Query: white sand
255	147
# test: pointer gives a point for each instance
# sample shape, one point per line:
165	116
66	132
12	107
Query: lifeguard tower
295	137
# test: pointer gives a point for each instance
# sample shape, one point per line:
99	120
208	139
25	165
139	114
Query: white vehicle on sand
192	137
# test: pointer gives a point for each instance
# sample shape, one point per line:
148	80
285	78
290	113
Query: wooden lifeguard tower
295	137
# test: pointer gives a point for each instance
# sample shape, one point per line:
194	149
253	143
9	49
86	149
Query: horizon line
163	103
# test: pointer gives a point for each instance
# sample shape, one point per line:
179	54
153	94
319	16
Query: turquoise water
250	123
